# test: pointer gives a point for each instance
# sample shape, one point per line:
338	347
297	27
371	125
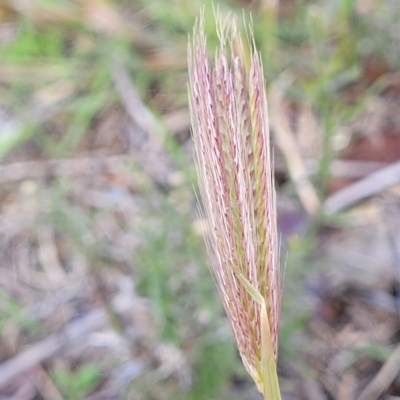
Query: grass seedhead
229	115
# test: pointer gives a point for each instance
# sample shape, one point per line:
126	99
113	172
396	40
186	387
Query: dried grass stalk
229	117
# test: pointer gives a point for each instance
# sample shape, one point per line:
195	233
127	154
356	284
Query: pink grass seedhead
229	117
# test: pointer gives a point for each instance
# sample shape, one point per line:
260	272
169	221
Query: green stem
271	390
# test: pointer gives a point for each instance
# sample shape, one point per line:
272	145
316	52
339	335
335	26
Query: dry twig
148	133
389	371
286	142
362	189
48	347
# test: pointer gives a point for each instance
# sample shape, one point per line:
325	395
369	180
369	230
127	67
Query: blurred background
105	292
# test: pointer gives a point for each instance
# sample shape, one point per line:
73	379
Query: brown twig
286	142
389	371
40	169
362	189
148	132
48	347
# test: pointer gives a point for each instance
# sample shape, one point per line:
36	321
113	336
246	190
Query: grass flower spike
229	117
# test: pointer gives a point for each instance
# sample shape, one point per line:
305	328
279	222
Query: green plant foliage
75	385
168	266
10	310
35	42
208	382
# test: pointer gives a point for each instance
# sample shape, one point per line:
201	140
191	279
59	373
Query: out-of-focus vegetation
97	206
